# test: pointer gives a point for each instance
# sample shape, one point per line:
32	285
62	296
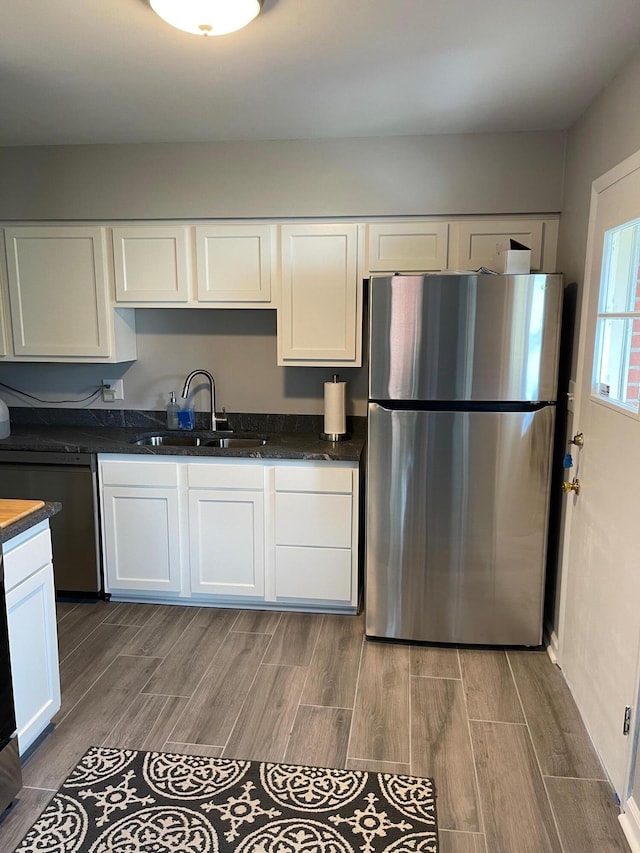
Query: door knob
573	486
578	439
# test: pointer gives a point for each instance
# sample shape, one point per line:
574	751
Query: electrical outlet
112	389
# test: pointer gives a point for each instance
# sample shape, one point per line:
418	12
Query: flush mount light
207	17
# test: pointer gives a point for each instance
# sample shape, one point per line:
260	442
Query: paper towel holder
335	436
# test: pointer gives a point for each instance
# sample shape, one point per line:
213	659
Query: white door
600	630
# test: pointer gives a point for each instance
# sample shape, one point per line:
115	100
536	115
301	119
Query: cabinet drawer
325	479
318	573
26	558
223	476
139	474
316	520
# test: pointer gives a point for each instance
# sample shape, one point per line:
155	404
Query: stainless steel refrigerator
462	389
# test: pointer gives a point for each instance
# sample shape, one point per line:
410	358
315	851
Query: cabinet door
58	291
4	304
152	264
407	246
474	244
226	536
234	263
33	646
141	539
319	321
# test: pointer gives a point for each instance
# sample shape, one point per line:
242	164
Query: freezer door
464	337
457	506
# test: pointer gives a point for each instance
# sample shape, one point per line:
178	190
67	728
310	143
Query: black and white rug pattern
128	801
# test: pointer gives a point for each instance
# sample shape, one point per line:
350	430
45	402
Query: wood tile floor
514	769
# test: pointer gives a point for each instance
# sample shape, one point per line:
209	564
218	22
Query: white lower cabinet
226	528
141	526
248	532
33	640
316	533
142	538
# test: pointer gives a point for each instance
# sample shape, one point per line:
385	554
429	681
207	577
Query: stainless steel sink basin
164	440
235	442
169	440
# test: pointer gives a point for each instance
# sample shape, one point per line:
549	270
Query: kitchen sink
235	442
169	440
164	440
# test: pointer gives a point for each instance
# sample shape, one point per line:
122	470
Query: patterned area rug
125	801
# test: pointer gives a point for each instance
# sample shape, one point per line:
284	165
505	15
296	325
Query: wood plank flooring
513	766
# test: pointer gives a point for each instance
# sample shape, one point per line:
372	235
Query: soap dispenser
172	412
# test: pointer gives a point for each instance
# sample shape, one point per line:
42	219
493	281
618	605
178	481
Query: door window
616	365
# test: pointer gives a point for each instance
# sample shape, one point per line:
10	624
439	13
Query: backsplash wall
238	346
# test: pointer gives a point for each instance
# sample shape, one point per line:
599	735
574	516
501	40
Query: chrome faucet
212	387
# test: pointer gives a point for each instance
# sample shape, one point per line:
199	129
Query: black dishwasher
70	478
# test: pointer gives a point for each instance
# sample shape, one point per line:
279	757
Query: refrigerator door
457	506
464	337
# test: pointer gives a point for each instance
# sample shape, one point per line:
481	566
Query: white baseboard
630	822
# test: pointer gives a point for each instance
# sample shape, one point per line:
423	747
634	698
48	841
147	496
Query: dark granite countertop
113	439
50	508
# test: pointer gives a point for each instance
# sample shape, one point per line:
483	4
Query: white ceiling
108	71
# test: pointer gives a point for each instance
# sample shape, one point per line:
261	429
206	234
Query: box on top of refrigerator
513	259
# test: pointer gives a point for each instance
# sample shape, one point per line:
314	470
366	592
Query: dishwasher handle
49	457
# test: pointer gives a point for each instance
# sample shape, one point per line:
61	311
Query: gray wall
409	175
435	175
607	133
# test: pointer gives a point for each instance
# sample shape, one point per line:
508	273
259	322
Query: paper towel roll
335	421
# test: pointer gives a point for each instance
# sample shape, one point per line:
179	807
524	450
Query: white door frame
630	819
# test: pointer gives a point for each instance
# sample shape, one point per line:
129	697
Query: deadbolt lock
573	486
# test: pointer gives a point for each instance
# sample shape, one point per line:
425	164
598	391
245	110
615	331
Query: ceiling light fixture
207	17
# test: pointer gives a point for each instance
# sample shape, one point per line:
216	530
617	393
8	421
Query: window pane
620	286
616	374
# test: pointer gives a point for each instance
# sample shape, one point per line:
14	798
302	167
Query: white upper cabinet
152	263
407	246
320	312
234	263
473	243
191	266
60	299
